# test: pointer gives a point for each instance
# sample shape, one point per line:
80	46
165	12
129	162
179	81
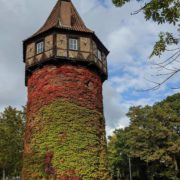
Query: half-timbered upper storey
64	38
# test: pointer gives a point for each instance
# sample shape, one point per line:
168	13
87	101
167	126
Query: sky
129	38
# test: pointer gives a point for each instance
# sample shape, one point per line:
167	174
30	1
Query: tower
66	66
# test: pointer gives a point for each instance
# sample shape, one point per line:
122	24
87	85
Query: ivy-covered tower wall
65	128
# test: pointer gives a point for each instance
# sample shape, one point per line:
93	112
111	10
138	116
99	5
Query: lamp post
130	167
4	175
118	174
130	170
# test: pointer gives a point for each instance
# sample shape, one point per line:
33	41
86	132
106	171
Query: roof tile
64	16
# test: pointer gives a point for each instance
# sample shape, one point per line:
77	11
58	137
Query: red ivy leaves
48	163
66	82
51	171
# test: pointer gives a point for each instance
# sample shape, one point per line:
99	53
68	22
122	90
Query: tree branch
164	67
161	83
165	61
142	8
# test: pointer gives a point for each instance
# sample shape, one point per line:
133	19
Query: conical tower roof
64	16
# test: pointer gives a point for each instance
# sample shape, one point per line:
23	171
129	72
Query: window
39	47
99	55
73	44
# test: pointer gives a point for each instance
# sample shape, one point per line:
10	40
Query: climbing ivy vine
66	140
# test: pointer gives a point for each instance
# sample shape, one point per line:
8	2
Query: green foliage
117	151
165	40
173	102
11	141
76	138
157	10
152	141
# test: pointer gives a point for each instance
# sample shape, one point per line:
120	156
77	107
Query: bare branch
178	52
164	67
161	83
165	74
173	49
151	81
142	8
174	59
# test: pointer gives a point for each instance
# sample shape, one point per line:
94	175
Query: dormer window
39	47
73	44
99	54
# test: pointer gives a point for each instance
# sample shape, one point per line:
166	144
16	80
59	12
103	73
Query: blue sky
129	38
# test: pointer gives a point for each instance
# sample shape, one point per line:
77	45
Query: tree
152	141
119	155
153	138
162	11
117	150
12	122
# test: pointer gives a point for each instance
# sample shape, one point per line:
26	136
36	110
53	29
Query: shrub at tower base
66	145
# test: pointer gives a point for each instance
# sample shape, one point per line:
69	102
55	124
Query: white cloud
113	108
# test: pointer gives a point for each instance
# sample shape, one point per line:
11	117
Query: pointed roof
65	16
